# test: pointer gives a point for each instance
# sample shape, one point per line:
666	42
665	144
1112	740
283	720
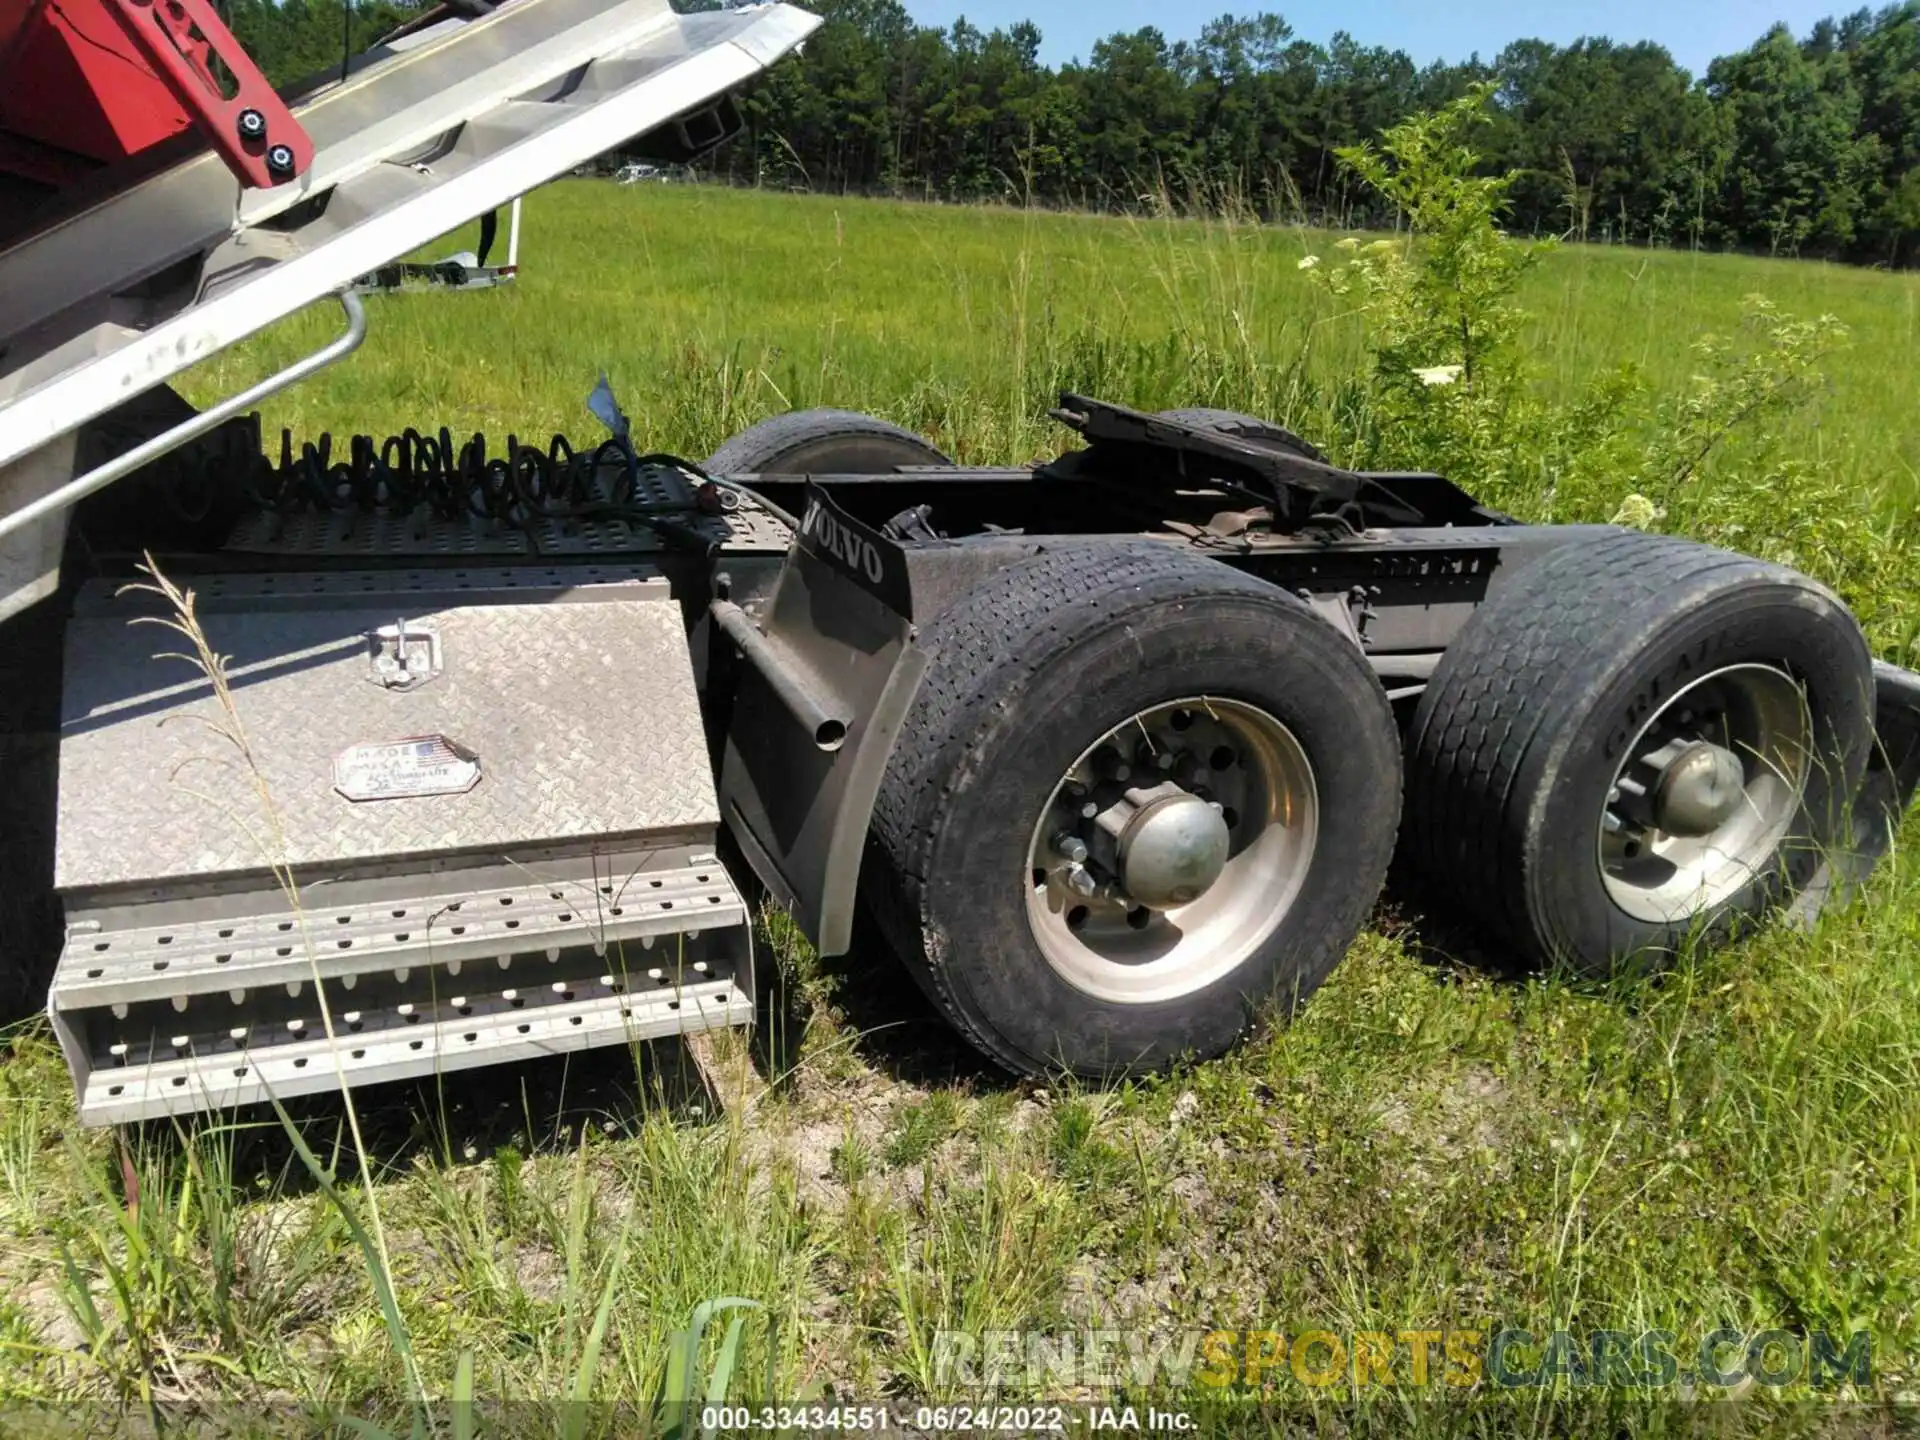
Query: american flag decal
411	769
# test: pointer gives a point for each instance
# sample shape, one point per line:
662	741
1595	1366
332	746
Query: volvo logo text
853	549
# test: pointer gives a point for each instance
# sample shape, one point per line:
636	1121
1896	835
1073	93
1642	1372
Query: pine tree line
1806	146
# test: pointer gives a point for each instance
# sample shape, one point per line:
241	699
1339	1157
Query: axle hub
1701	788
1169	846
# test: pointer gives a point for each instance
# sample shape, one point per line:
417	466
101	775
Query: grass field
1434	1146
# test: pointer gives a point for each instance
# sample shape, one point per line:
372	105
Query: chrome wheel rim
1205	808
1708	790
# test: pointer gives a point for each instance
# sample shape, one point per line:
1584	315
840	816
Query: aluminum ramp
147	273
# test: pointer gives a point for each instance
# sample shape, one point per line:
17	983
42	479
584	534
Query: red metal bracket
246	120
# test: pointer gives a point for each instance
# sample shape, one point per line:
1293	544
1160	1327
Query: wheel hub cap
1171	849
1701	790
1706	794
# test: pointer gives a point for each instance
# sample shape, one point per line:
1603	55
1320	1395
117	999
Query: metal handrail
121	465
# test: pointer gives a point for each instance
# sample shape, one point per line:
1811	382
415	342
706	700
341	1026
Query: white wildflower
1638	512
1352	242
1440	374
1307	262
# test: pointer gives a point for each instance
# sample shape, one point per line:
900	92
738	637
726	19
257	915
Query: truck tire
1232	874
1638	741
1246	427
822	442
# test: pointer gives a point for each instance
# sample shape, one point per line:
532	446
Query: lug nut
1069	846
252	124
1080	880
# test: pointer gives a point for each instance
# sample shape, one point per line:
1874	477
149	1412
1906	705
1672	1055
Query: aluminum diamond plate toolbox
574	707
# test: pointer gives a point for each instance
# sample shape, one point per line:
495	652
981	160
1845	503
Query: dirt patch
539	1272
1453	1120
47	1311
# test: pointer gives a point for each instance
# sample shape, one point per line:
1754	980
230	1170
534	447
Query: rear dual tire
1549	795
822	442
1250	696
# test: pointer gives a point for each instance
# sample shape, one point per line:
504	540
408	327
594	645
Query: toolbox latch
404	655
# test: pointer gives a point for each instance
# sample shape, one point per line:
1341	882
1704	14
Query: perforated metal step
193	1082
102	967
161	1019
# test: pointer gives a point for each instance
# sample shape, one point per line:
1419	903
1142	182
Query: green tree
1796	160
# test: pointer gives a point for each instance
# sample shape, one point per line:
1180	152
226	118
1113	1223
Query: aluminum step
168	1018
222	956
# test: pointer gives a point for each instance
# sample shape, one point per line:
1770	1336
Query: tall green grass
1431	1144
711	308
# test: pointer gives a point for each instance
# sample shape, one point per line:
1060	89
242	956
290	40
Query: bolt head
251	124
280	159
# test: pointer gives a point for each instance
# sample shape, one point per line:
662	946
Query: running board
163	1019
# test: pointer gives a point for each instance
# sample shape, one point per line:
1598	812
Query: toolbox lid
390	730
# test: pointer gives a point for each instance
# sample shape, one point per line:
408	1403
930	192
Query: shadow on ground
884	1017
534	1107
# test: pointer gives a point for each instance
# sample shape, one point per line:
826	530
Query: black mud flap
829	670
1893	776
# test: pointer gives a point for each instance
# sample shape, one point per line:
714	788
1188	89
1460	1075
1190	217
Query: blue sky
1694	30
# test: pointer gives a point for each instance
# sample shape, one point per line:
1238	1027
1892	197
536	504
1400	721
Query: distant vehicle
464	270
640	172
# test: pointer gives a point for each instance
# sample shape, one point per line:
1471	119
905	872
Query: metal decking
160	1019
